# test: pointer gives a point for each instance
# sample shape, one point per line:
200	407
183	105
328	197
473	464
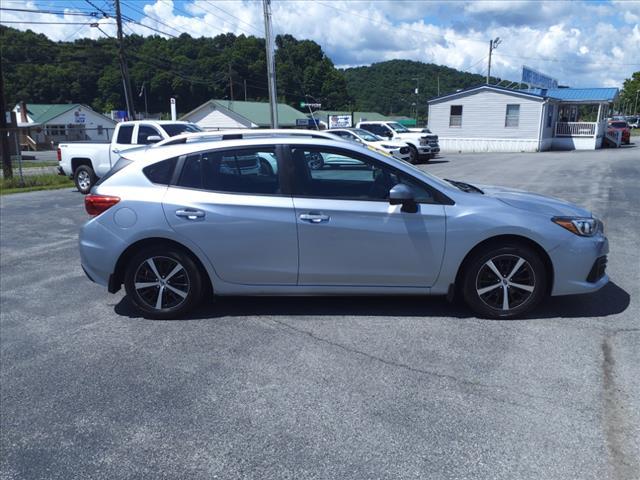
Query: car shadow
434	162
610	300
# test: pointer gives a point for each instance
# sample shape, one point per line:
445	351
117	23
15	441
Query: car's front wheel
504	281
163	282
413	154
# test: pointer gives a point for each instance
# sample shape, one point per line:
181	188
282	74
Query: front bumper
579	265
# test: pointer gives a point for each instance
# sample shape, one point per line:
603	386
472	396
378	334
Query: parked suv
420	144
176	222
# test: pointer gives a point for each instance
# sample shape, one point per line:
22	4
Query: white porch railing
576	129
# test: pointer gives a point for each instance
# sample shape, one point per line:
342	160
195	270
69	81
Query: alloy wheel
84	179
505	282
161	283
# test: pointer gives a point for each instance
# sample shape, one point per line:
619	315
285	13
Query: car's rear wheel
504	282
84	178
163	283
413	154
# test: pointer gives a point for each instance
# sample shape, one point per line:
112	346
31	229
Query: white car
396	148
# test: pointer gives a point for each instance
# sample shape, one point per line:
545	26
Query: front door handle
314	217
190	213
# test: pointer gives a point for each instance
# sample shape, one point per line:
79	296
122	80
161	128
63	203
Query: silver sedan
328	217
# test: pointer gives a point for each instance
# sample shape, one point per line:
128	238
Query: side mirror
153	138
402	195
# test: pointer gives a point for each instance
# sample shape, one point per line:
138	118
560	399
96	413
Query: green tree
629	96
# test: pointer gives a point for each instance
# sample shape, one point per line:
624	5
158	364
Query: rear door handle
313	217
190	213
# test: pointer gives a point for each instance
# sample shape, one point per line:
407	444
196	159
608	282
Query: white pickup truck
421	145
86	162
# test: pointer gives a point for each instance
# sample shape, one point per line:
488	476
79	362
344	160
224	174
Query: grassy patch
33	182
635	132
31	164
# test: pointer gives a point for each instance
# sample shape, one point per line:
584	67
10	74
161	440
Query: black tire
84	178
484	291
163	260
413	154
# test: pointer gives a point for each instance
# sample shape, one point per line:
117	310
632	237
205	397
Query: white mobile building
487	118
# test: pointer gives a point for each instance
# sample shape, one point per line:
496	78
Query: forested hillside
389	87
194	70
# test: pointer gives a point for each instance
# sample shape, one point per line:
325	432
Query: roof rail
238	134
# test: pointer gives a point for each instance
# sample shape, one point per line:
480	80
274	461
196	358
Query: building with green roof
224	114
47	123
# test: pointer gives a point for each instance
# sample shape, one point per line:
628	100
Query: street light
493	44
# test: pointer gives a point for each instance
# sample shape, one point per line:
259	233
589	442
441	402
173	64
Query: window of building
549	115
338	174
55	130
252	171
455	116
512	118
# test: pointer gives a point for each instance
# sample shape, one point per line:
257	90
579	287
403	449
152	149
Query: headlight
582	226
390	147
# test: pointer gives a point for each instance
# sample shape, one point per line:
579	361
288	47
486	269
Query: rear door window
246	170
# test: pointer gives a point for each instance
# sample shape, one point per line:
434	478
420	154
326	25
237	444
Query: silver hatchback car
326	218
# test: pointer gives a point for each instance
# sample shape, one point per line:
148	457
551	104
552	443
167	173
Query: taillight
59	154
96	204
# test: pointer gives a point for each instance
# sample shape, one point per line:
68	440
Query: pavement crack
614	418
431	373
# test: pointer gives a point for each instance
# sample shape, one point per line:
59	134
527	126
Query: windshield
174	129
366	136
618	124
398	127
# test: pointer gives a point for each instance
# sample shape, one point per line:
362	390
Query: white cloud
577	42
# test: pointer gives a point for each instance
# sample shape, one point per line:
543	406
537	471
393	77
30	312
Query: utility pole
7	169
271	67
635	107
417	92
128	95
493	44
230	83
245	89
438	85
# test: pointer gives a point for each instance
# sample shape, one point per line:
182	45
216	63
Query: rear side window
251	171
124	134
161	172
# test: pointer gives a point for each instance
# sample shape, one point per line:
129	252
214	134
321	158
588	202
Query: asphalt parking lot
330	388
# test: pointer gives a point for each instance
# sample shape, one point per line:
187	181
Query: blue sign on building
534	78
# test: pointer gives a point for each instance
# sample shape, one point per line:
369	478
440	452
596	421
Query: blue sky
581	43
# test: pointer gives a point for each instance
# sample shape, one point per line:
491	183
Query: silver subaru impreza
295	215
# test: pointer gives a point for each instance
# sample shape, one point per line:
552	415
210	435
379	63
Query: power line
588	62
254	27
50	12
52	23
151	17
